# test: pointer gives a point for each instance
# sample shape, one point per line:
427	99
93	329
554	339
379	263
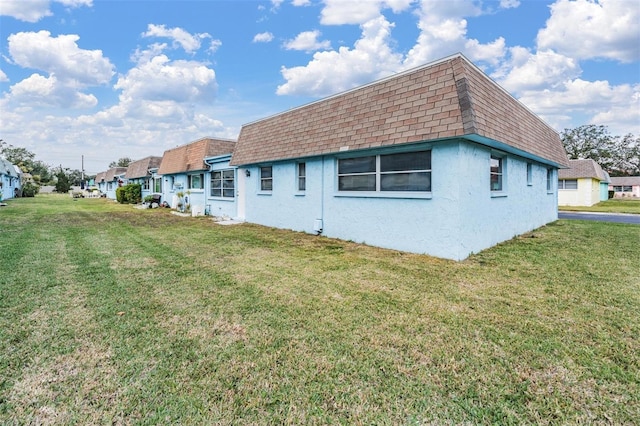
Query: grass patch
114	315
614	205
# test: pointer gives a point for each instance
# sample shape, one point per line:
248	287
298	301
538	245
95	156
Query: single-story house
438	159
584	183
108	181
187	181
626	186
141	172
10	180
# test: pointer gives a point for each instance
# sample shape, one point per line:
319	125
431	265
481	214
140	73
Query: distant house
107	182
438	160
628	186
141	172
584	183
184	171
10	180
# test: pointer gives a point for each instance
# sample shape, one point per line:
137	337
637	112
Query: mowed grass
111	315
613	205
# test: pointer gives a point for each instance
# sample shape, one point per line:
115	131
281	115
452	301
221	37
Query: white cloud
334	71
41	91
214	46
3	77
307	41
509	4
189	42
587	29
443	31
598	102
340	12
163	80
35	10
265	37
544	69
301	2
60	55
28	11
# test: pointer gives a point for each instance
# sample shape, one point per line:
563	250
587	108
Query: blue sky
106	79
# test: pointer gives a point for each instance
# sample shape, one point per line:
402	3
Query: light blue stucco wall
9	186
459	217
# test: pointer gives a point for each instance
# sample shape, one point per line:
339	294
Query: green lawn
614	205
112	315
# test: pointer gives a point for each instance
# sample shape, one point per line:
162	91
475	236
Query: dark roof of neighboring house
7	168
626	180
190	157
140	168
583	169
446	99
111	174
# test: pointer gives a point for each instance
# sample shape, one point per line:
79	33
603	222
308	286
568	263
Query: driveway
602	217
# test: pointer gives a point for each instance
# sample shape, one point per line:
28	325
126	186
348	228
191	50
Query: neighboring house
185	172
10	180
438	160
584	183
141	172
110	180
628	186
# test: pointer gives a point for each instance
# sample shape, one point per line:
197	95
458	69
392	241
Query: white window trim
260	179
222	197
502	192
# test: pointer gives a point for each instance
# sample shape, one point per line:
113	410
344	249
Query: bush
129	194
30	190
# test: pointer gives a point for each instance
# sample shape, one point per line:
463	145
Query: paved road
602	217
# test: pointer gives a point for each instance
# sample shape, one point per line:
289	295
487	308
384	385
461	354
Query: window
145	184
157	185
196	181
496	173
568	184
549	180
623	188
302	176
529	174
404	172
266	178
223	183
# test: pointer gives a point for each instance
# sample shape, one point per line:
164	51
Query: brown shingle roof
626	180
190	157
583	169
140	168
448	98
111	174
100	177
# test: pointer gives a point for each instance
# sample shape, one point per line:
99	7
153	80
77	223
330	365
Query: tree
62	185
21	157
617	155
122	162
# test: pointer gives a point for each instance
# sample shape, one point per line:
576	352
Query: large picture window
223	183
266	178
568	184
401	172
497	164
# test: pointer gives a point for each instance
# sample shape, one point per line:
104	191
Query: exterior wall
221	206
459	217
635	192
604	191
587	194
10	186
111	189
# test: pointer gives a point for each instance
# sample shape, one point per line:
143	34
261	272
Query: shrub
129	194
29	189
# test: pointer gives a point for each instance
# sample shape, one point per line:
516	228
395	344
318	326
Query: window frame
499	173
219	184
264	180
563	186
529	174
190	185
301	176
550	180
145	184
375	170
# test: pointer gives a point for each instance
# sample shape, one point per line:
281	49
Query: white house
438	160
